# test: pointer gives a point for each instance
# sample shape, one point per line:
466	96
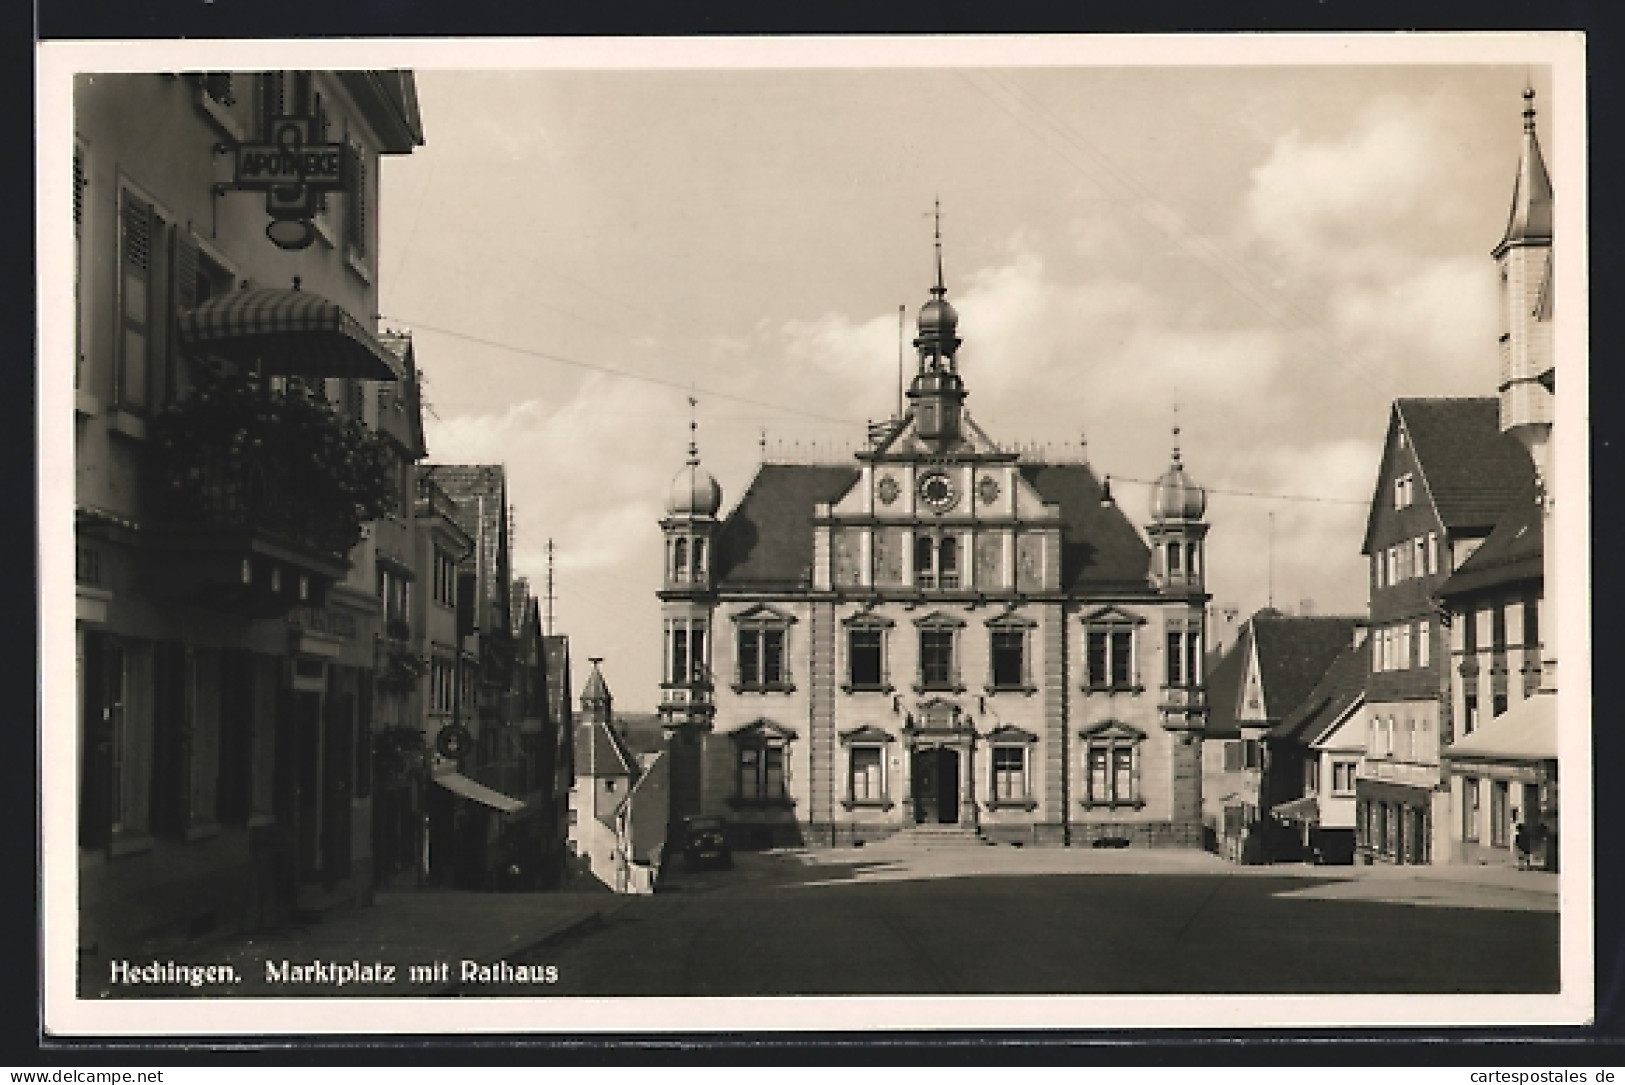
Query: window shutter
78	188
355	399
185	271
137	236
356	227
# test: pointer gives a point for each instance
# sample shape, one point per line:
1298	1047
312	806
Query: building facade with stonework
938	636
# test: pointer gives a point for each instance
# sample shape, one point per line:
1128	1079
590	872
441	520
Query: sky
1266	256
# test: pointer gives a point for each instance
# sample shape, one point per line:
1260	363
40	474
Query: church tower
1528	368
937	390
687	599
1524	257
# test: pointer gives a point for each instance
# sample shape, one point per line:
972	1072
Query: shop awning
1525	732
458	784
288	333
1306	809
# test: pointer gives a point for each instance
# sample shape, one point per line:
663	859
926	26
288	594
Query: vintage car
705	842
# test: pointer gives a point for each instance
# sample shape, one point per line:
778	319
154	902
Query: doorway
936	786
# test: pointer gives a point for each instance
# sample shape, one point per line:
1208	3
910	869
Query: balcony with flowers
258	492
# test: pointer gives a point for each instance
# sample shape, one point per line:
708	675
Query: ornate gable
1112	730
1010	734
764	614
764	730
868	733
1110	615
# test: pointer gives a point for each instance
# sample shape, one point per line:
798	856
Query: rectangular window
679	655
866	658
1403	490
1009	663
1110	657
1343	777
1469	630
867	783
1009	773
1424	644
937	658
1498	629
1498	704
761	773
1233	755
761	656
139	236
1433	552
1252	753
1419	557
1404	660
1311	776
1469	808
1393	565
1500	814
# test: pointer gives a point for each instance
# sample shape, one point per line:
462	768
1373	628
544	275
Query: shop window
1469	809
1500	813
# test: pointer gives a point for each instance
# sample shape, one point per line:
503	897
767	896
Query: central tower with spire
937	391
941	635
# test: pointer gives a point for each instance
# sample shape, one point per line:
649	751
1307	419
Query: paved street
892	920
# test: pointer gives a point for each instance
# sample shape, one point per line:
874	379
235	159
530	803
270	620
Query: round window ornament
887	490
987	488
937	490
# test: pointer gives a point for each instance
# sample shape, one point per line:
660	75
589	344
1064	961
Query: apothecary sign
290	160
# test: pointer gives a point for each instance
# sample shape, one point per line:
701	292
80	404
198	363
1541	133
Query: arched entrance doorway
936	785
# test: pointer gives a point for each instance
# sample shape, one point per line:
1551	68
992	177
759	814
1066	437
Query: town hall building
940	636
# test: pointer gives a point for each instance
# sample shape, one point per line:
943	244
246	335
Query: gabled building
229	455
938	636
1324	736
1503	674
1250	767
1447	475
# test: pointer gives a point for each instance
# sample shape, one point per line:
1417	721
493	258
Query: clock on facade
937	490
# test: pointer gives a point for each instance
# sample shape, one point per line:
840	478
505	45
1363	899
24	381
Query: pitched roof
641	731
1531	216
1100	549
1339	689
1294	654
466	484
767	541
1514	552
599	751
1472	469
1224	689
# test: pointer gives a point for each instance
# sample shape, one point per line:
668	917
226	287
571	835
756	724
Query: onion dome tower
937	391
1177	529
687	599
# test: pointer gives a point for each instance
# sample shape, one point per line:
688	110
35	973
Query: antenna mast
550	598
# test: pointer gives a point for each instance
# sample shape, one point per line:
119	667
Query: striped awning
288	333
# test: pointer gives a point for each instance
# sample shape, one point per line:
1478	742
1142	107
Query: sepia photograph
787	534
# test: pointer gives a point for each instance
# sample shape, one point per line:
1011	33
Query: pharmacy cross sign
291	171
